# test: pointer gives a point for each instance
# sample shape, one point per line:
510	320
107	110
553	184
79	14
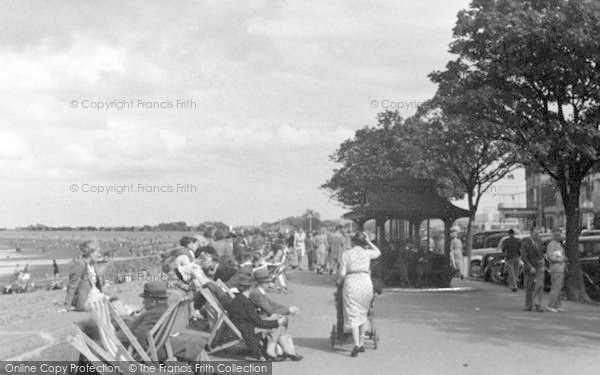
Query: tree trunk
575	284
469	244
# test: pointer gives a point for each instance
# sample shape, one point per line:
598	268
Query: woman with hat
357	293
244	315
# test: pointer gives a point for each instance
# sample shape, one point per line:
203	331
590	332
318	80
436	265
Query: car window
493	241
478	242
589	249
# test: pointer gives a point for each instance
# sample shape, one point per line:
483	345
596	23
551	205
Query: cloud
277	85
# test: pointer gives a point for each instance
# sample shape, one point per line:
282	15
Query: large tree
462	150
532	67
374	154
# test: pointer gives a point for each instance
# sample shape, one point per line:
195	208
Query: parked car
484	243
493	267
589	257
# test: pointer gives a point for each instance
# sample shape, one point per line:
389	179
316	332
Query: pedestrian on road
336	242
357	293
532	253
555	253
456	254
511	247
321	244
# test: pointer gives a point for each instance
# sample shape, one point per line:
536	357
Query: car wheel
475	269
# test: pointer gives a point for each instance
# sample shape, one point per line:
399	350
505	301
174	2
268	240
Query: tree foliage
532	68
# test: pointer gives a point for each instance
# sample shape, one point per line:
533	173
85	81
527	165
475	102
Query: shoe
551	309
270	358
355	352
514	289
293	357
560	309
538	308
361	349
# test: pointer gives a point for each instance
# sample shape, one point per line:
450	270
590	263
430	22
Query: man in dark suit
511	247
273	310
186	345
244	315
82	277
532	254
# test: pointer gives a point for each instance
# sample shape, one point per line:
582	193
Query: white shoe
560	309
552	309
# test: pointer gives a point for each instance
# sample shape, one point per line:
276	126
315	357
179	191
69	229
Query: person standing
511	247
532	254
354	274
310	250
321	246
55	269
336	242
300	245
555	253
456	253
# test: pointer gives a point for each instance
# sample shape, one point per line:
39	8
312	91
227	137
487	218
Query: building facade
544	202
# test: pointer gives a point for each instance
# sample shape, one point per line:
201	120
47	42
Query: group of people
532	252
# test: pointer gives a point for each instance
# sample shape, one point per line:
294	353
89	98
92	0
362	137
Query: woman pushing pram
356	287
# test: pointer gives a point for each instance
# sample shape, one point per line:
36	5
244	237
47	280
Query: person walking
555	253
456	253
532	254
354	274
321	245
336	242
511	247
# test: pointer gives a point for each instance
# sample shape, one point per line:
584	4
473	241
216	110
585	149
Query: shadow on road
496	317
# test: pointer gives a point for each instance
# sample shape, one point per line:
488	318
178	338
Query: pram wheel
333	336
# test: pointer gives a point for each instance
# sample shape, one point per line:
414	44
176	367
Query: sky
199	110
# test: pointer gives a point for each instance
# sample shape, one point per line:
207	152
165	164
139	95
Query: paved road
482	332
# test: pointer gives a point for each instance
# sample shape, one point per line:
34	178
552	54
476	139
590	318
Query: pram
338	336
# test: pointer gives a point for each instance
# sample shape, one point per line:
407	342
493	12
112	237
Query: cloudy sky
271	89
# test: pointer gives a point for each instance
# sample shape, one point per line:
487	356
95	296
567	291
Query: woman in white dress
357	294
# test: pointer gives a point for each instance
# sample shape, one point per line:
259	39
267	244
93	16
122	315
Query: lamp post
310	222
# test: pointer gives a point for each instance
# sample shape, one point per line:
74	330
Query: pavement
483	331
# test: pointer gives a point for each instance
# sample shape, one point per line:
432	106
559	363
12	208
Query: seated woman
244	315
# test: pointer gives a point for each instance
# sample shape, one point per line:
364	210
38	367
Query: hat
230	235
154	289
245	280
511	231
261	274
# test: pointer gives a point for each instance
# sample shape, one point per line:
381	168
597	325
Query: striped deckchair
223	332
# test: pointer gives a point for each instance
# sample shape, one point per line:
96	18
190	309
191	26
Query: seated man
186	345
273	310
244	315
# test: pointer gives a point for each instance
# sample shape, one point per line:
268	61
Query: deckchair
96	354
220	324
102	312
169	326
